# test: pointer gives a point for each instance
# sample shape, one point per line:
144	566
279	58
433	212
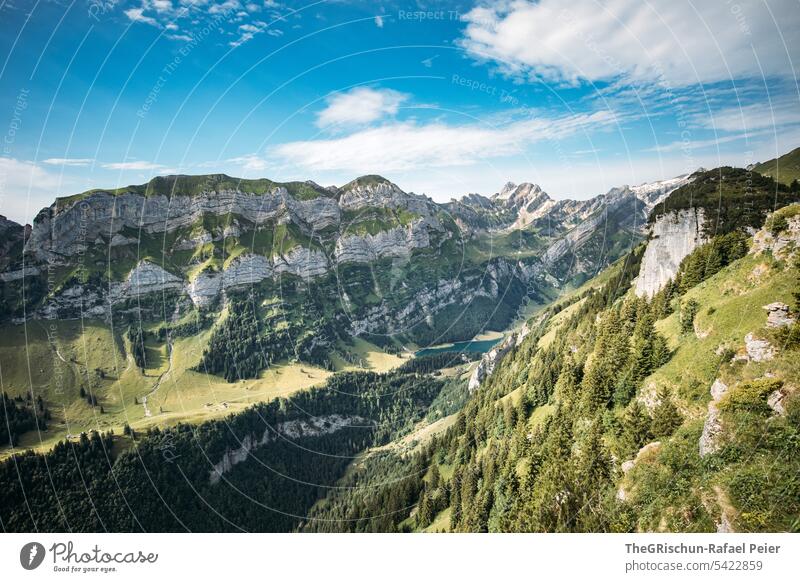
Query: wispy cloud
249	30
754	116
139	165
681	43
360	106
698	144
250	163
137	15
379	21
68	161
405	145
27	187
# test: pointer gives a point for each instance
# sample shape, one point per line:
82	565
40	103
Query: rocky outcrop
712	428
69	225
293	429
648	450
777	400
782	243
673	237
395	242
778	315
145	278
62	229
653	193
12	236
530	202
251	269
758	350
19	274
488	363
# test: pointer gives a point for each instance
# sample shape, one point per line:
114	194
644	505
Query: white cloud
250	162
402	146
678	41
161	5
379	21
699	144
248	31
68	161
137	15
25	187
181	37
224	6
360	106
755	116
132	166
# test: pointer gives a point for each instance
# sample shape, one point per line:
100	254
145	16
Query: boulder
778	315
758	350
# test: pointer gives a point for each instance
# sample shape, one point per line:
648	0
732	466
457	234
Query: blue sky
444	98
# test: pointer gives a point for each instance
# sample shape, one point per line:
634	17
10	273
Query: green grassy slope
575	431
783	169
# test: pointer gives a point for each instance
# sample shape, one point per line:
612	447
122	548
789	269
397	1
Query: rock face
780	244
395	242
673	237
776	401
758	350
63	229
778	315
713	424
367	220
143	279
12	236
293	429
487	364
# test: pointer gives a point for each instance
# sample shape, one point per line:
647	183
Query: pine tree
661	352
666	416
688	312
592	476
635	428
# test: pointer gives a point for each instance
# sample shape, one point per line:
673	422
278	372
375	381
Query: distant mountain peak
366	181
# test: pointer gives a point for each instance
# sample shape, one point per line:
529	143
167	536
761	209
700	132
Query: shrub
750	395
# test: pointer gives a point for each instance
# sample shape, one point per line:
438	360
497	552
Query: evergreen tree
635	428
666	416
689	311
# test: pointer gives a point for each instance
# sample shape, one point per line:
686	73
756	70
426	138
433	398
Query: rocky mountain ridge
201	237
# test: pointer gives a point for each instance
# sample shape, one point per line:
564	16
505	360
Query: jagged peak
525	189
506	191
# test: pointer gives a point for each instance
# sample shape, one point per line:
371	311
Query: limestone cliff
674	235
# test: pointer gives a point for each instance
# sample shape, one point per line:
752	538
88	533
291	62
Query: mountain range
632	364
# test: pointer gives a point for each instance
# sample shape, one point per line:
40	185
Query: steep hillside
619	413
784	169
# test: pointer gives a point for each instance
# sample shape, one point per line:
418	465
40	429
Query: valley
301	358
303	281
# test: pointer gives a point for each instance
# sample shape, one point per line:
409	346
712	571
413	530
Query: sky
442	98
